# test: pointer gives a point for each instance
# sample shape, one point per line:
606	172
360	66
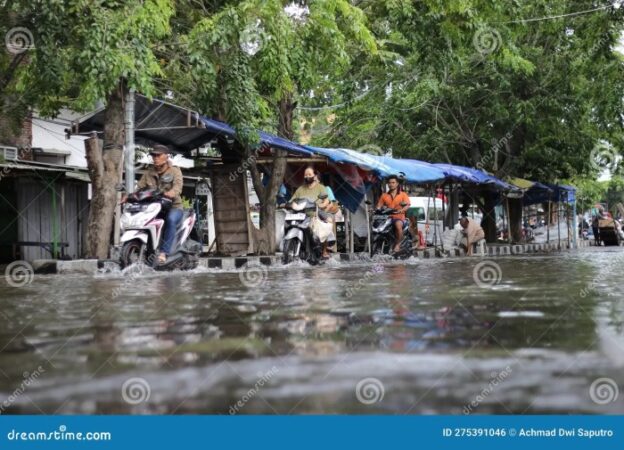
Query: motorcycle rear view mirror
322	196
403	204
368	202
167	178
119	187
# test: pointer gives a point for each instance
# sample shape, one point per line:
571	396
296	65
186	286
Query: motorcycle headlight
126	221
132	219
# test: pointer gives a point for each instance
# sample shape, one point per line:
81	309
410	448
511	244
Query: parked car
430	214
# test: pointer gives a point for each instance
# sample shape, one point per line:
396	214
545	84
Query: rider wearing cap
152	179
393	199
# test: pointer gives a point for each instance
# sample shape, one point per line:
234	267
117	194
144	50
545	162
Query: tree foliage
471	82
82	48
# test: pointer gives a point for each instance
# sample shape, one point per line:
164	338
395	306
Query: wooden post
548	223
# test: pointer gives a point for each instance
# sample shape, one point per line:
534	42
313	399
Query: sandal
162	258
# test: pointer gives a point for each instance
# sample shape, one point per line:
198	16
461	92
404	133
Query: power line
577	13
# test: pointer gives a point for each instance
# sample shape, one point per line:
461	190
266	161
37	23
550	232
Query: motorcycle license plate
380	217
298	216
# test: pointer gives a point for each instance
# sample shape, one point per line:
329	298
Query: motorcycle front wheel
381	247
133	252
291	250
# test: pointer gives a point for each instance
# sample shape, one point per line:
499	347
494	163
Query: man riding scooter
399	201
153	179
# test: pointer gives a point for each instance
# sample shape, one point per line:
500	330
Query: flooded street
519	334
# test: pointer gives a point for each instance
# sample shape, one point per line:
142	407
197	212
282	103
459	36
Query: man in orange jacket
400	202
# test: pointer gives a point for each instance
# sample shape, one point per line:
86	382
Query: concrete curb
90	266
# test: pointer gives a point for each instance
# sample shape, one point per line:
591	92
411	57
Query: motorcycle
384	234
142	223
299	241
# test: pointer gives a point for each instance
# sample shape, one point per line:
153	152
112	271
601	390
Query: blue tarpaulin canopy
414	171
221	128
544	192
362	160
474	176
158	121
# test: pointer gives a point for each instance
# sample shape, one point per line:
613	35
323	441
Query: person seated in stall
315	192
400	202
332	207
418	240
472	233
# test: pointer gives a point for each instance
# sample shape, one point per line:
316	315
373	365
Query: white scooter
142	224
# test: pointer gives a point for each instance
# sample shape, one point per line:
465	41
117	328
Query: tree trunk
515	219
103	165
264	238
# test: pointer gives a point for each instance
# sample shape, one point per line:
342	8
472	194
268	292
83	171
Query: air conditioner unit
8	153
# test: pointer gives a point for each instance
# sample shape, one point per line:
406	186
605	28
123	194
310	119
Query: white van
427	210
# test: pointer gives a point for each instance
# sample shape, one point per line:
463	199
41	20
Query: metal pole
443	206
129	151
117	226
574	224
508	220
351	236
368	229
435	221
559	223
567	211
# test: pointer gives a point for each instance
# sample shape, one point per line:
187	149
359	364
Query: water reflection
425	328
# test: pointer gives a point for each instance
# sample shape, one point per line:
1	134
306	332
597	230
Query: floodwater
520	334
